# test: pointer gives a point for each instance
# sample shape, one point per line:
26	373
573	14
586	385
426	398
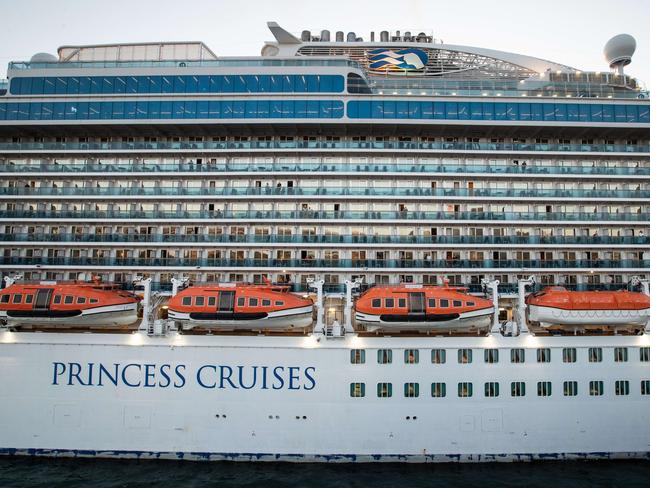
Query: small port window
212	301
570	388
620	354
595	354
384	390
465	389
376	303
492	389
5	298
384	356
543	388
187	301
596	388
29	298
252	302
444	303
266	302
622	387
438	390
432	303
411	356
357	356
57	299
94	300
644	354
438	356
411	390
81	300
464	356
390	302
491	356
18	298
543	355
645	387
199	301
569	354
279	303
357	390
241	301
458	303
517	355
517	389
68	299
401	302
471	304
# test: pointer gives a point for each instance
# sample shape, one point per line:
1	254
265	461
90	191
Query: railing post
145	324
493	289
320	306
519	325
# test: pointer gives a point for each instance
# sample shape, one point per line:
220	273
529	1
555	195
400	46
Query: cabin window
644	354
492	389
358	356
432	303
411	356
401	302
279	303
411	390
438	390
357	390
252	302
596	388
471	304
465	389
212	301
464	356
438	356
266	302
491	356
241	301
68	299
199	301
94	300
29	298
517	389
595	354
458	303
622	387
543	388
645	387
444	303
620	354
569	354
81	300
187	301
543	355
390	302
517	355
376	303
5	298
570	388
57	299
384	390
18	298
384	356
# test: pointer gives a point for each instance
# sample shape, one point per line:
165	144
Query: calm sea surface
68	473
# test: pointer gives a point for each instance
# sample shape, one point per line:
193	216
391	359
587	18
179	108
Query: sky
571	32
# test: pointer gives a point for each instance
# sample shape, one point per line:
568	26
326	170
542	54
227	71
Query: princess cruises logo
401	59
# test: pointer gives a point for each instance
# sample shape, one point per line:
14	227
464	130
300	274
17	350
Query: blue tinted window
106	110
47	111
337	85
178	110
34	111
204	84
300	109
252	83
59	111
25	86
300	83
524	111
215	110
3	111
95	85
288	108
84	84
191	84
108	84
118	110
129	110
573	112
61	85
37	85
463	110
94	110
166	84
402	110
313	84
131	84
631	113
560	111
23	111
227	84
202	109
154	110
500	111
276	83
49	85
120	85
549	111
537	111
326	84
155	84
226	110
15	86
251	109
264	109
239	84
190	110
264	83
644	113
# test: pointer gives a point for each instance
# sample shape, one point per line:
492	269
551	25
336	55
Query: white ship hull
109	316
288	398
548	316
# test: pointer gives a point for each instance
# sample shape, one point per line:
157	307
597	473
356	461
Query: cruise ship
331	244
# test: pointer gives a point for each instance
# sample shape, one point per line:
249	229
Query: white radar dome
619	50
44	58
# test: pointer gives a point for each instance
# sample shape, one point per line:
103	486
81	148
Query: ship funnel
325	35
305	36
352	37
339	36
407	35
372	37
383	36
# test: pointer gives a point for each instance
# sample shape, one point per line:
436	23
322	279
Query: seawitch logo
176	376
401	59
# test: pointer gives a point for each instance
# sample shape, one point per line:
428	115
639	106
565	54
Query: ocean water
68	473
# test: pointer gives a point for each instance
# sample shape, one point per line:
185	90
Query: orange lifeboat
76	304
230	306
556	305
416	307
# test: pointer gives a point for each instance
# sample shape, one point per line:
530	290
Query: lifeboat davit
78	304
230	306
556	305
422	308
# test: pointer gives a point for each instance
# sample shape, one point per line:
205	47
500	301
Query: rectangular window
266	302
18	298
57	299
241	301
543	388
199	301
492	389
384	390
29	298
491	356
595	354
81	300
444	303
401	302
620	354
644	354
596	388
68	299
622	387
517	355
569	354
357	356
187	301
464	356
212	301
279	303
432	303
438	390
518	389
5	298
376	303
543	355
645	387
94	300
438	356
411	356
411	390
570	388
389	302
357	390
465	389
384	356
252	302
